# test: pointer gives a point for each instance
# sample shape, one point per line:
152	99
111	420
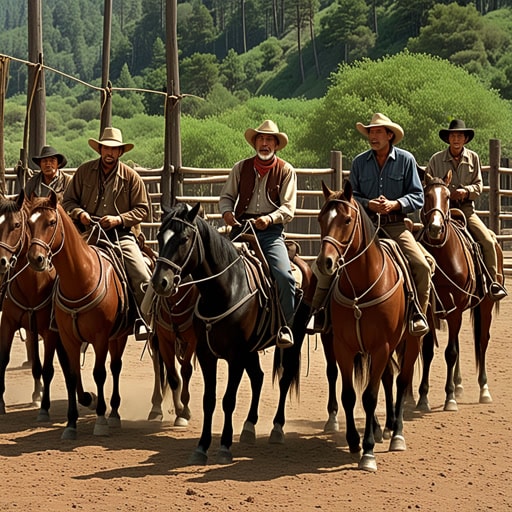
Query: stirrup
284	337
418	325
141	330
497	291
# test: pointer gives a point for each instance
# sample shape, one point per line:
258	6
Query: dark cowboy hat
457	125
48	152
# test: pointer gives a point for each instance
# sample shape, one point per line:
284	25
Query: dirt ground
454	461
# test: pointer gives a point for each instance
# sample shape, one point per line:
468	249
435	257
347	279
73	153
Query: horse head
44	221
339	219
435	213
12	231
177	241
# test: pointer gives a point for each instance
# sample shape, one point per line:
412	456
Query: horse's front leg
156	412
332	424
6	337
51	339
208	364
99	373
427	350
116	354
235	372
451	355
348	400
482	319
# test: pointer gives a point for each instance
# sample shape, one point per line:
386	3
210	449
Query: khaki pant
485	237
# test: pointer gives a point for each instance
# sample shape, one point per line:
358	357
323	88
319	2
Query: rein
48	246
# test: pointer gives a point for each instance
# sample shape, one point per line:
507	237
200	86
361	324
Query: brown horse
457	289
27	304
174	341
90	304
369	312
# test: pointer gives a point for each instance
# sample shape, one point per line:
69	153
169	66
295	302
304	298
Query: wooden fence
203	185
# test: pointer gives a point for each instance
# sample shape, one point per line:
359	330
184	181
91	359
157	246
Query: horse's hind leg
50	344
387	384
482	319
116	365
156	413
427	351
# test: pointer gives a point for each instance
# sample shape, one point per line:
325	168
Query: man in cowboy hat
50	177
264	188
385	181
112	192
466	186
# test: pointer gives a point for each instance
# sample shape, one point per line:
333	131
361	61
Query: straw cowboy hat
457	125
48	152
381	120
111	137
269	128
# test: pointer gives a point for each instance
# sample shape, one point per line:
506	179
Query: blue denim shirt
398	180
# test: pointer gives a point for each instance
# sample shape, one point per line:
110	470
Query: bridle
48	247
15	250
425	215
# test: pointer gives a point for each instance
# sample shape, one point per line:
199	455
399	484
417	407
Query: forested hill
284	48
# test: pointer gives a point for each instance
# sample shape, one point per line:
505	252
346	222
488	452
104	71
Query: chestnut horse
174	341
369	317
232	321
457	291
27	304
90	305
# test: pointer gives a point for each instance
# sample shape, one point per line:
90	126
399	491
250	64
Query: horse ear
53	199
192	214
448	177
21	198
347	190
326	190
428	178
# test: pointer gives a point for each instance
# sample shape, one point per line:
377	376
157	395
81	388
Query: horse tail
287	366
362	364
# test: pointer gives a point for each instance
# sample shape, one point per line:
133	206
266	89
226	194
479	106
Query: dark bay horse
90	302
231	322
174	341
457	290
27	304
369	318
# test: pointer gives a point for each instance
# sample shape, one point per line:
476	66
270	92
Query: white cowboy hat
111	137
267	127
381	120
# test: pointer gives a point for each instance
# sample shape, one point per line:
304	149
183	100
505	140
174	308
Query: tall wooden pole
36	99
172	150
106	96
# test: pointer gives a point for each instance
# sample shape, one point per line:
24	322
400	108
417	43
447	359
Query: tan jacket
130	196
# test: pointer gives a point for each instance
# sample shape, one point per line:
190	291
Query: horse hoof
155	416
368	463
423	405
101	427
224	456
397	444
459	391
198	458
114	422
277	435
451	405
43	416
387	434
485	395
332	425
248	435
69	434
180	422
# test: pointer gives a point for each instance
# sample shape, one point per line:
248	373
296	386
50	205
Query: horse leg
387	384
101	427
451	356
116	347
50	344
290	376
332	424
235	372
7	335
482	319
411	349
156	413
208	364
457	377
427	353
255	373
186	376
348	400
32	343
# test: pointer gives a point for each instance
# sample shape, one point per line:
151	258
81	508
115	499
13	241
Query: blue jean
272	244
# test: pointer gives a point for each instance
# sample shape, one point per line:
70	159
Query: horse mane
8	205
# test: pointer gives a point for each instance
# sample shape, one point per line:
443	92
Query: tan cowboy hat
381	120
267	127
457	125
111	137
48	152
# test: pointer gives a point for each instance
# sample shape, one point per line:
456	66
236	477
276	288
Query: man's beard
266	156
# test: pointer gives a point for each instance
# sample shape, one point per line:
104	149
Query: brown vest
248	181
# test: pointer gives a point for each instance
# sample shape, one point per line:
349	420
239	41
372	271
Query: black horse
233	321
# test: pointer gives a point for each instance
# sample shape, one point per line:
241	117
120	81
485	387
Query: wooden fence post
337	165
494	185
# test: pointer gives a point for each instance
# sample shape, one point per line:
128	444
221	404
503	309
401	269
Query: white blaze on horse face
437	220
167	235
35	216
2	219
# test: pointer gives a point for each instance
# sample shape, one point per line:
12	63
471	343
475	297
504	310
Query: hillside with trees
308	63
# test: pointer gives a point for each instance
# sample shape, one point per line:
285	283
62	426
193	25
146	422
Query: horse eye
17	225
348	220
